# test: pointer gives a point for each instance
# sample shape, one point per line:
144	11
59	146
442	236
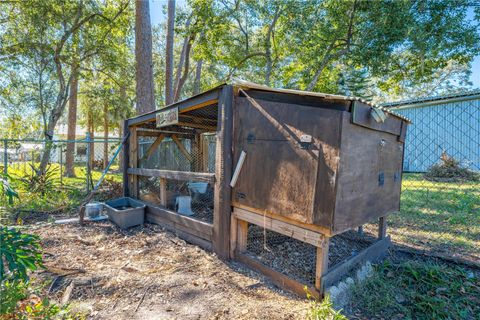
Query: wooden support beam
242	235
319	229
223	174
321	266
153	147
186	224
133	161
233	236
277	278
382	227
204	158
174	175
199	101
163	192
126	161
314	238
182	148
373	253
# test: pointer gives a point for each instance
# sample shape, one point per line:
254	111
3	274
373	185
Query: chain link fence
440	204
73	169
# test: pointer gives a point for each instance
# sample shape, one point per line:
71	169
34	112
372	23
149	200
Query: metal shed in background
449	123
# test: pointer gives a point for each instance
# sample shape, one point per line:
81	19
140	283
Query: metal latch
305	141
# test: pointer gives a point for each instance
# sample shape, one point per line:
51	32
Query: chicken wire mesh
189	198
178	153
297	259
187	146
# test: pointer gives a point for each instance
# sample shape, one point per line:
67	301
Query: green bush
7	191
41	183
19	253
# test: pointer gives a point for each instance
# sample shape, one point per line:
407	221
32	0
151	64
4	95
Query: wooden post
242	235
233	235
321	267
205	153
382	227
197	152
133	161
223	173
126	157
163	192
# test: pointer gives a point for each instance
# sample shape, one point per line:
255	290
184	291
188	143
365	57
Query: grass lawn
417	289
443	217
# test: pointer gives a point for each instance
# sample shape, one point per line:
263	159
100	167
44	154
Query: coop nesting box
334	162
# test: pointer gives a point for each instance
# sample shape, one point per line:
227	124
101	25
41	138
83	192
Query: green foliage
39	183
11	292
7	191
418	290
19	253
20	301
322	310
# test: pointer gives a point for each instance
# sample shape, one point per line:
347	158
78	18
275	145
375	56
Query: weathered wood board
279	174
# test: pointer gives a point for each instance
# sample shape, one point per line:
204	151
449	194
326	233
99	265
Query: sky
157	16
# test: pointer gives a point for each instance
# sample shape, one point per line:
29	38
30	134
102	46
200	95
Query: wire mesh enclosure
178	152
297	259
193	199
173	159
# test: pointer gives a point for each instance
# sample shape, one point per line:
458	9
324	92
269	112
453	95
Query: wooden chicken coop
245	170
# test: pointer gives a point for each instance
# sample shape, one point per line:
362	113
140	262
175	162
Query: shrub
42	183
450	169
7	191
19	253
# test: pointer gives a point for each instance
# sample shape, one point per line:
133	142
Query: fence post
88	173
5	154
61	165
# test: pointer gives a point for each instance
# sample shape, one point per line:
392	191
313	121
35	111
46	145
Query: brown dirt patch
149	273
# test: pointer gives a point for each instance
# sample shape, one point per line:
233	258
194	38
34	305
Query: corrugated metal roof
251	85
458	96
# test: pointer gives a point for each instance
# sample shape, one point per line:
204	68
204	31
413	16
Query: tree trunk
268	48
105	136
186	67
198	76
143	55
169	53
72	123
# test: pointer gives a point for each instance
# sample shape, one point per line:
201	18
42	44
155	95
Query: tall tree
169	93
51	27
145	97
72	124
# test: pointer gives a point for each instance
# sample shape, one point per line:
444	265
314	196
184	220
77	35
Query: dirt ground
149	273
